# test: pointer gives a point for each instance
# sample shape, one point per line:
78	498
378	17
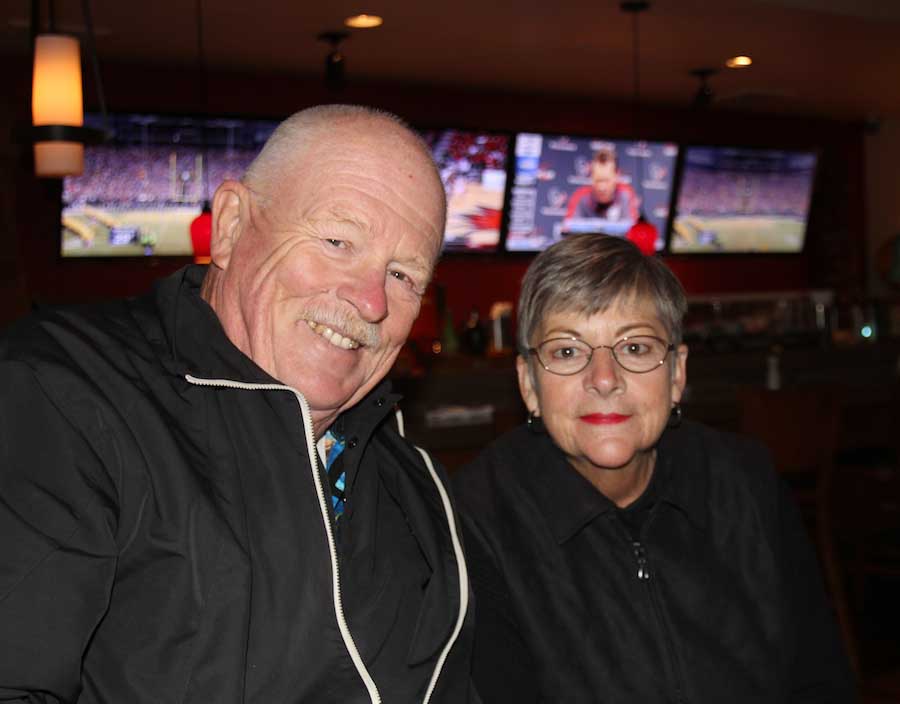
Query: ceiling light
363	21
739	62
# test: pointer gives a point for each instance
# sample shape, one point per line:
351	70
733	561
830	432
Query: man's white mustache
346	323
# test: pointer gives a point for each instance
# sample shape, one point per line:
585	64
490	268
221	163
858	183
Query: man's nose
365	291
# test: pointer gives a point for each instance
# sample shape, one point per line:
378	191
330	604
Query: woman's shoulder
504	466
730	466
717	446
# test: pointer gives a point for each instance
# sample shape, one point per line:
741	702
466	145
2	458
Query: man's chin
332	392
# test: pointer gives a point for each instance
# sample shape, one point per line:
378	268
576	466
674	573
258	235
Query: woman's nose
603	371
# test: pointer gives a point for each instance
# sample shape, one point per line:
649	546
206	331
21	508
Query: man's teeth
335	338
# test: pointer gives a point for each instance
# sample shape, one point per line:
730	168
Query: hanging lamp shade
57	103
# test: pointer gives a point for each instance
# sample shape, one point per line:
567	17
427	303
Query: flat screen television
564	184
737	200
141	189
473	169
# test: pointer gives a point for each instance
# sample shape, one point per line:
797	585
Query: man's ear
527	387
230	215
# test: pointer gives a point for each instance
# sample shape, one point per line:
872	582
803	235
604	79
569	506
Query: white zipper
349	643
462	570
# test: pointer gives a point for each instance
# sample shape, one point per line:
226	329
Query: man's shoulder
47	333
580	198
85	343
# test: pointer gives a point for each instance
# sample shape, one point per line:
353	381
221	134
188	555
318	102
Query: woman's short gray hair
586	274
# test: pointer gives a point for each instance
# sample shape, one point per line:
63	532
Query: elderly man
168	530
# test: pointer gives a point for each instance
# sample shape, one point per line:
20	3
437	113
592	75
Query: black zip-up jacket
704	590
165	535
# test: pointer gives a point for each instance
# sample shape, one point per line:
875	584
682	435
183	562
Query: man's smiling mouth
335	338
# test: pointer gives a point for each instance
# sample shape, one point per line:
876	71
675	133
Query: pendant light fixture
643	233
57	106
335	61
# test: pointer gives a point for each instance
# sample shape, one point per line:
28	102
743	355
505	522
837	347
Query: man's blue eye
334	242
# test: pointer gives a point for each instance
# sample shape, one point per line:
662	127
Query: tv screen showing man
564	184
607	203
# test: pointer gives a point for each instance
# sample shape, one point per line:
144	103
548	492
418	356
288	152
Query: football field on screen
86	231
737	234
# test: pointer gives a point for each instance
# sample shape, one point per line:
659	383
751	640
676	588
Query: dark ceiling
834	58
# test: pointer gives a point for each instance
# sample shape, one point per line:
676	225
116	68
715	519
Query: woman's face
604	417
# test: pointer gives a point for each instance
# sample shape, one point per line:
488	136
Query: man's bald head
292	139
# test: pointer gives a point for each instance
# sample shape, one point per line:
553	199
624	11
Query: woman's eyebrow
563	331
635	326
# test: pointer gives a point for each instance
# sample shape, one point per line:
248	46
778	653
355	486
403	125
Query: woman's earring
675	416
535	425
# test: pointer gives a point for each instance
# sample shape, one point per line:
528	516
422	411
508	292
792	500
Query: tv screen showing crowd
143	187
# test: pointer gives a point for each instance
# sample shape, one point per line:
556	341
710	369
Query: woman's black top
704	590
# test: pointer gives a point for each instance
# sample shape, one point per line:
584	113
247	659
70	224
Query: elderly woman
618	553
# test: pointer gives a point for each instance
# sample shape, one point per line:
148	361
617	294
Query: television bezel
612	137
152	260
679	175
155	259
498	248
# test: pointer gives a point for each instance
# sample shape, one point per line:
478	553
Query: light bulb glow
741	61
364	21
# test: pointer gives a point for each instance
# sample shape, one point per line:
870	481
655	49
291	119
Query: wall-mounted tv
473	169
734	200
563	185
141	189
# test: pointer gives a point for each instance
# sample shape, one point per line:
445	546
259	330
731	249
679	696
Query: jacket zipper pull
643	571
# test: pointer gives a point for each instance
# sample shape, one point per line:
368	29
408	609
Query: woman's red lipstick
604	418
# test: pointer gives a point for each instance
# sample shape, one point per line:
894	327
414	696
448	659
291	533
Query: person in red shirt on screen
607	198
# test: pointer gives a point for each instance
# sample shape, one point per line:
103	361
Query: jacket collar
196	343
683	461
569	502
196	340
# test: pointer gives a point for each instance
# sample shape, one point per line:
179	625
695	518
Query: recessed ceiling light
739	62
363	21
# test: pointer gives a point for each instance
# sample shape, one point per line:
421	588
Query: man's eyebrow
418	263
340	217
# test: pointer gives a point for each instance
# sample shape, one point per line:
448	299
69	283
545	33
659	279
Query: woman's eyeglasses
569	355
